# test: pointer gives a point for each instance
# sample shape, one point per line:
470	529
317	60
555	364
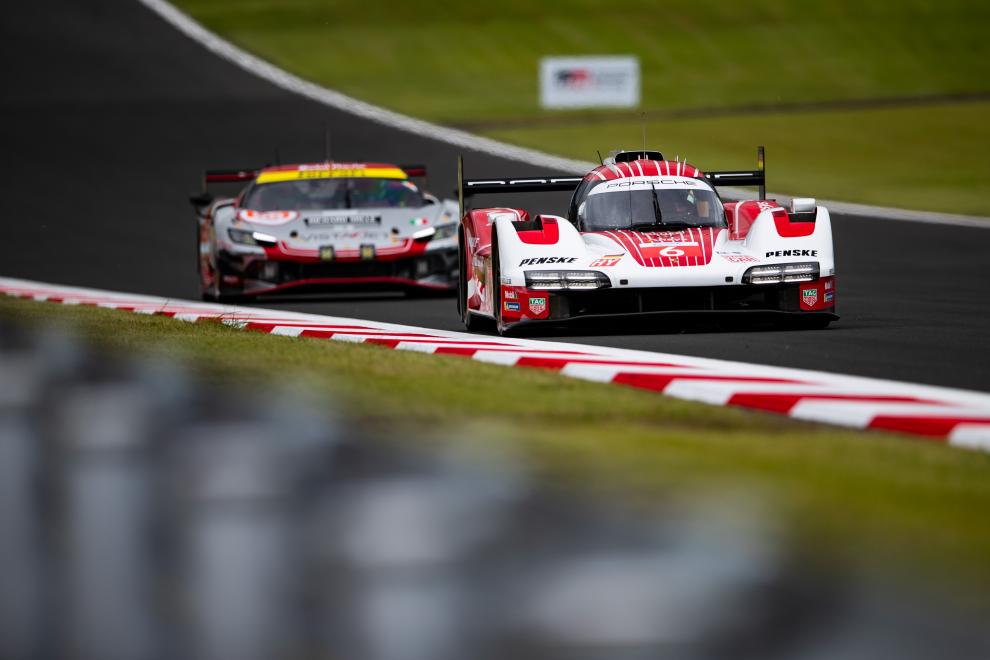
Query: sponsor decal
326	253
589	81
809	296
331	171
537	305
325	236
511	306
670	250
367	252
419	222
363	219
630	183
793	253
509	294
829	296
533	261
607	261
828	285
739	258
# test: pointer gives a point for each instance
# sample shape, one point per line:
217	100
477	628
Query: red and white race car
644	235
321	226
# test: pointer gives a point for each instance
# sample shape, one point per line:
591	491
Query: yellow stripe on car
298	175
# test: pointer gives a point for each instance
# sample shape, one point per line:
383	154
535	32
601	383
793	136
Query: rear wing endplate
757	177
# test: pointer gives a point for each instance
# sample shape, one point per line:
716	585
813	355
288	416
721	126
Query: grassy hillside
454	62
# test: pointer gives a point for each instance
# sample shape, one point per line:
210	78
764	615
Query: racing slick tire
500	327
811	323
216	293
470	321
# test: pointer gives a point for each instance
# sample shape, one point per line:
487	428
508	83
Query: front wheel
470	321
500	326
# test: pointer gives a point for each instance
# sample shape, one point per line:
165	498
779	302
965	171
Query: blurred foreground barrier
148	515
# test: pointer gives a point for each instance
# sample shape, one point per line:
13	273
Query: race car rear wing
467	188
757	177
204	198
553	183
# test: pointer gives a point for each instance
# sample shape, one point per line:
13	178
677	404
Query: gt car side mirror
200	200
429	199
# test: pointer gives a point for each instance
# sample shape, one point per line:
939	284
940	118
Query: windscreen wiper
657	214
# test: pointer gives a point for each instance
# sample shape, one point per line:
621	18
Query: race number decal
670	250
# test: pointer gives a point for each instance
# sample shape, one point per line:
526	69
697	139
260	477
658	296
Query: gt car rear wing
757	177
467	188
221	176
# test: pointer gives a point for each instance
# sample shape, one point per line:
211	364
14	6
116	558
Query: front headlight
256	238
445	231
566	279
779	273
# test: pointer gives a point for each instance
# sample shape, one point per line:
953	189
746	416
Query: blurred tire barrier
146	514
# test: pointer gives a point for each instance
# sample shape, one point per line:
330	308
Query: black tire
470	321
808	323
500	326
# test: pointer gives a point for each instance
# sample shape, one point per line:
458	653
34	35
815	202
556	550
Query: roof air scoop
630	156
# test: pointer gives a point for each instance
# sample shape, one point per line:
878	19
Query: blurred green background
916	137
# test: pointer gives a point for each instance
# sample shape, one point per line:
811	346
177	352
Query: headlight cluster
445	231
779	273
252	238
566	279
435	233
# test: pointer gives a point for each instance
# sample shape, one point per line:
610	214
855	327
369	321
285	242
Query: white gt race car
644	235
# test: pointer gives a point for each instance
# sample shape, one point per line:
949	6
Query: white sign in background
588	82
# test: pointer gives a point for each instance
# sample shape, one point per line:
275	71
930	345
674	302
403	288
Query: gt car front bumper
435	270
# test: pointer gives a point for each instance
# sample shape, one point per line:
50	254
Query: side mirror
804	205
201	200
429	199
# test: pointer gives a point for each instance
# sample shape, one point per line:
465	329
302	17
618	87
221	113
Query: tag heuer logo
809	296
537	305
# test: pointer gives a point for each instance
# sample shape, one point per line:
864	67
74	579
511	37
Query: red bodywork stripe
548	236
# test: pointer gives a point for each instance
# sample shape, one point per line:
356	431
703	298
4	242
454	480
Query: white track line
958	417
330	98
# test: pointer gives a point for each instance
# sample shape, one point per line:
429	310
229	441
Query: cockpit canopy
646	204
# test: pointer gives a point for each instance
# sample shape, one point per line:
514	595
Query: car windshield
342	193
642	206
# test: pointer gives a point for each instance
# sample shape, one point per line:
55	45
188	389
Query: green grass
888	502
453	61
911	158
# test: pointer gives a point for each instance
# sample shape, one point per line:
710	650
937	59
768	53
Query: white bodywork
728	261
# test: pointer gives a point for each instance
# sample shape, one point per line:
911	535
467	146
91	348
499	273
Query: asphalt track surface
109	115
